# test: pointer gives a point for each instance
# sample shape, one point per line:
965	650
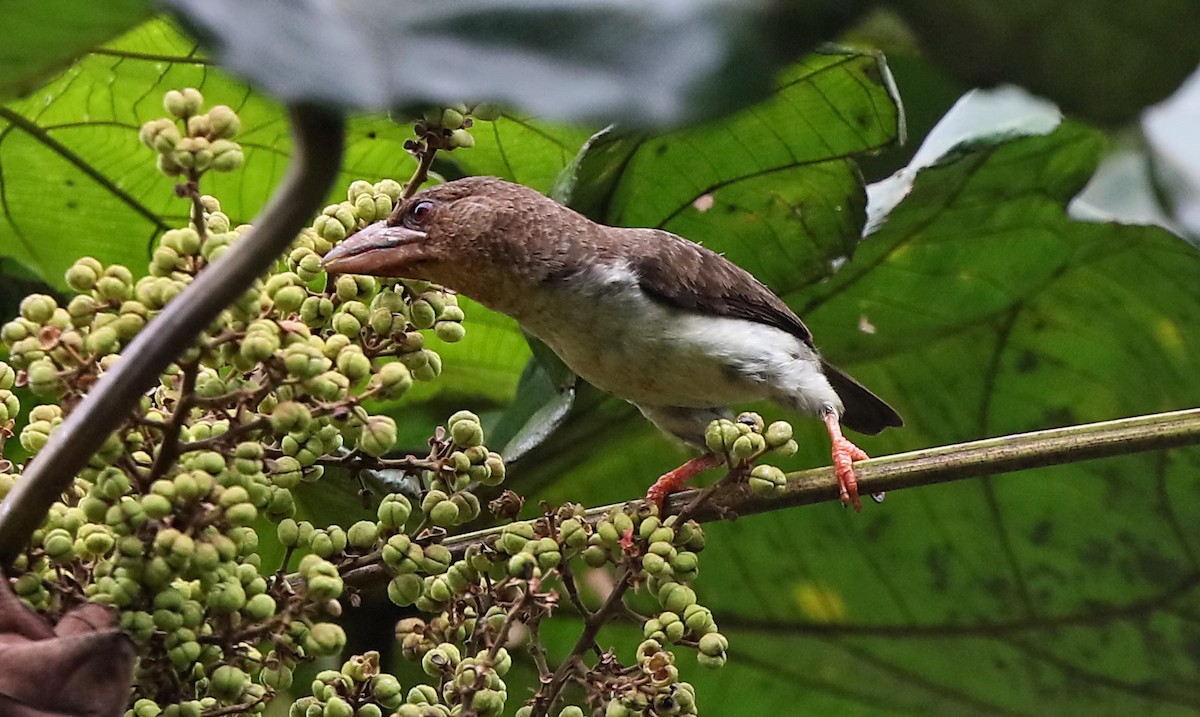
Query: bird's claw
673	480
844	455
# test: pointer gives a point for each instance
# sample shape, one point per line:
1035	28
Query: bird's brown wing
682	273
701	280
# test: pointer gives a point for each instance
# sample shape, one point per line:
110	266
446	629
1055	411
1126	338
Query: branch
316	160
908	470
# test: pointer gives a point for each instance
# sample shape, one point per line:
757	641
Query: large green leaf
41	37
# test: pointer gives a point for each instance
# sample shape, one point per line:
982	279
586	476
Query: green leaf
655	63
773	187
44	36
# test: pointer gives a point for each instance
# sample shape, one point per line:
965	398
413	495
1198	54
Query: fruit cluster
164	522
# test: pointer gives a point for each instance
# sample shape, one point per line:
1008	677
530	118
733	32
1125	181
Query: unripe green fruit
451	119
778	433
449	331
226	597
362	534
676	597
767	481
227	683
325	638
354	364
394	511
522	565
38	308
337	707
742	449
422	314
260	607
378	436
403	590
223	122
444	514
467	433
461	138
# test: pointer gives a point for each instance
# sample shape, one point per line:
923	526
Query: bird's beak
377	249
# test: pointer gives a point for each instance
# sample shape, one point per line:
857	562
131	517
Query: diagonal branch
318	136
960	461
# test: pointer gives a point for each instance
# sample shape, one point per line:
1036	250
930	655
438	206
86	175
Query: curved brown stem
318	138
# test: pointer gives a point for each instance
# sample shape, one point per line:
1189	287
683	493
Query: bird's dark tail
865	412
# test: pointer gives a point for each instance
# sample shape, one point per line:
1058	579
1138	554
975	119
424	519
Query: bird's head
422	231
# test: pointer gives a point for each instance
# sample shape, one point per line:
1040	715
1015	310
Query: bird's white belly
621	341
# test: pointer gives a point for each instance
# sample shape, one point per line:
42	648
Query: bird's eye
420	213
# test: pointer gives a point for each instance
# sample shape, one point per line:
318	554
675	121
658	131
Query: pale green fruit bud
149	132
260	607
767	481
393	379
378	436
390	187
223	122
167	165
422	314
353	364
467	433
325	638
713	644
778	433
363	534
329	229
228	683
522	565
197	126
325	587
444	514
461	138
43	378
656	565
394	511
229	159
742	449
81	276
403	590
451	119
786	450
226	597
430	369
676	597
38	308
449	331
383	205
364	207
359	188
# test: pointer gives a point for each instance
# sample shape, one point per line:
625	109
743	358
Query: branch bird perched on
650	317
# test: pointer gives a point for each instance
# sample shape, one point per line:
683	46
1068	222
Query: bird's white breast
619	339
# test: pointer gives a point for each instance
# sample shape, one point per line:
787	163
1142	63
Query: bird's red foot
844	455
673	480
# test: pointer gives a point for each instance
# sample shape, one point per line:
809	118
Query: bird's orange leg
844	455
673	480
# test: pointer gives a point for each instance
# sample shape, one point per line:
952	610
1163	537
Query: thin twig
586	640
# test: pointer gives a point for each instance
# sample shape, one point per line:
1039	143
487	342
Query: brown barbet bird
660	321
